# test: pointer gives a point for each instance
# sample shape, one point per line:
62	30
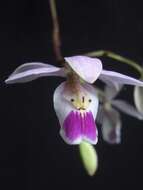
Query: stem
117	57
56	32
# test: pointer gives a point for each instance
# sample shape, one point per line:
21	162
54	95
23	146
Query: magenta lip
80	126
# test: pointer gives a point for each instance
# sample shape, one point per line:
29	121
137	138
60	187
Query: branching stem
117	57
56	32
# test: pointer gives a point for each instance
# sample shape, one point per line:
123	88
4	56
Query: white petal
62	100
111	127
127	108
30	71
87	68
111	77
112	91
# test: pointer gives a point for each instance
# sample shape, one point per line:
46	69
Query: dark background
33	155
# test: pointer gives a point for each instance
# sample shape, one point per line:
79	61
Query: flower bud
89	157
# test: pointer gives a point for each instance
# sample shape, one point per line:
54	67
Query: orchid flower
75	100
110	118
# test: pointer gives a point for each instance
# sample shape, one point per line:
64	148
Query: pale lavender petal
114	77
127	108
112	91
111	127
71	131
108	82
31	71
90	132
87	68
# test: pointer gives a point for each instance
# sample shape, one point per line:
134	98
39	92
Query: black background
33	156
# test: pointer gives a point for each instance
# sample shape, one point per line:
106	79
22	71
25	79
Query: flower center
81	103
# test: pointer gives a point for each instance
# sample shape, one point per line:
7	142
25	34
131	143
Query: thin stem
117	57
56	31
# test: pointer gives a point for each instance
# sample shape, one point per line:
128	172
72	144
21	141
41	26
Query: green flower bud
89	157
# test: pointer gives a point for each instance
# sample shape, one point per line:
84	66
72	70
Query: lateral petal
111	127
31	71
127	108
112	91
111	77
